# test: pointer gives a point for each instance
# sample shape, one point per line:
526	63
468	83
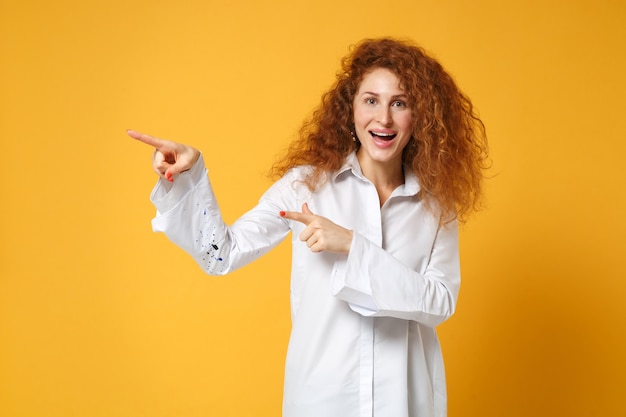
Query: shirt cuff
166	195
350	280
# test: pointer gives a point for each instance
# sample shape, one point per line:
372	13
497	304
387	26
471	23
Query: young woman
372	192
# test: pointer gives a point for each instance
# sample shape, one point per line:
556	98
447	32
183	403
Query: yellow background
101	317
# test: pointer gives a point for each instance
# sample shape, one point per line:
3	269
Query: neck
386	176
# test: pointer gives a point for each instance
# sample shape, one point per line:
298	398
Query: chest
402	226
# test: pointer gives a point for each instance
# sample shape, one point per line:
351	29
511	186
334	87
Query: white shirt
363	340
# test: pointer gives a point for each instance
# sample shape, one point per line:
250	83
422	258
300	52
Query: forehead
381	80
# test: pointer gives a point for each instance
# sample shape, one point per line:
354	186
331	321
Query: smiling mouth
383	136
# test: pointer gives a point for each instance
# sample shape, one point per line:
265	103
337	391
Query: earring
354	138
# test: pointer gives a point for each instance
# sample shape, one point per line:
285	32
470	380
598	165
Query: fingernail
282	213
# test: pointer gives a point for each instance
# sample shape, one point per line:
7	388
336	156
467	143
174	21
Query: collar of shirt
410	187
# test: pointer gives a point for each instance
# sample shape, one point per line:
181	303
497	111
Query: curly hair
447	150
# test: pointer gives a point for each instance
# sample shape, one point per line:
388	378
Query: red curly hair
448	148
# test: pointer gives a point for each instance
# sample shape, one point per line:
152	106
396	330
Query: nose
384	116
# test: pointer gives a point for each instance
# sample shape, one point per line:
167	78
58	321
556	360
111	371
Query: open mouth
383	136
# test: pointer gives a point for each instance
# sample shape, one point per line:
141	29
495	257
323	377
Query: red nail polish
282	214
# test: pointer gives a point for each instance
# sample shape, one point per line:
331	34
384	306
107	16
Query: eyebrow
376	94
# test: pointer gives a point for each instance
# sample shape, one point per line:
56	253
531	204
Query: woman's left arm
375	283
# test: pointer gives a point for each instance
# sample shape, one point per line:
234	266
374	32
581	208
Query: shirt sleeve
374	283
188	214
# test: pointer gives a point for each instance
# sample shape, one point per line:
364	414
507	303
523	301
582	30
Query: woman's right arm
188	213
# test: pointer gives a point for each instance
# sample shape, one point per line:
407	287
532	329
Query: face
382	120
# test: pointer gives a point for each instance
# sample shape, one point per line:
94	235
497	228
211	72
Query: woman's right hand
170	158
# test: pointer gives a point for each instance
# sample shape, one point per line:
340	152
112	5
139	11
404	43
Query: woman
372	192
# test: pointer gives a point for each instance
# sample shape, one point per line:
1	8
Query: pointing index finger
147	139
305	219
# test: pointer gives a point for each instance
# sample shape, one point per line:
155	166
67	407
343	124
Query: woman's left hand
320	233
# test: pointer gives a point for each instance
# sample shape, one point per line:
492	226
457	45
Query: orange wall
101	317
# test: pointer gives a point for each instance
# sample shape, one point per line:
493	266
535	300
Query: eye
370	100
398	103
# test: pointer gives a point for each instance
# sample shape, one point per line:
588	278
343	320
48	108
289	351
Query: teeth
383	135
